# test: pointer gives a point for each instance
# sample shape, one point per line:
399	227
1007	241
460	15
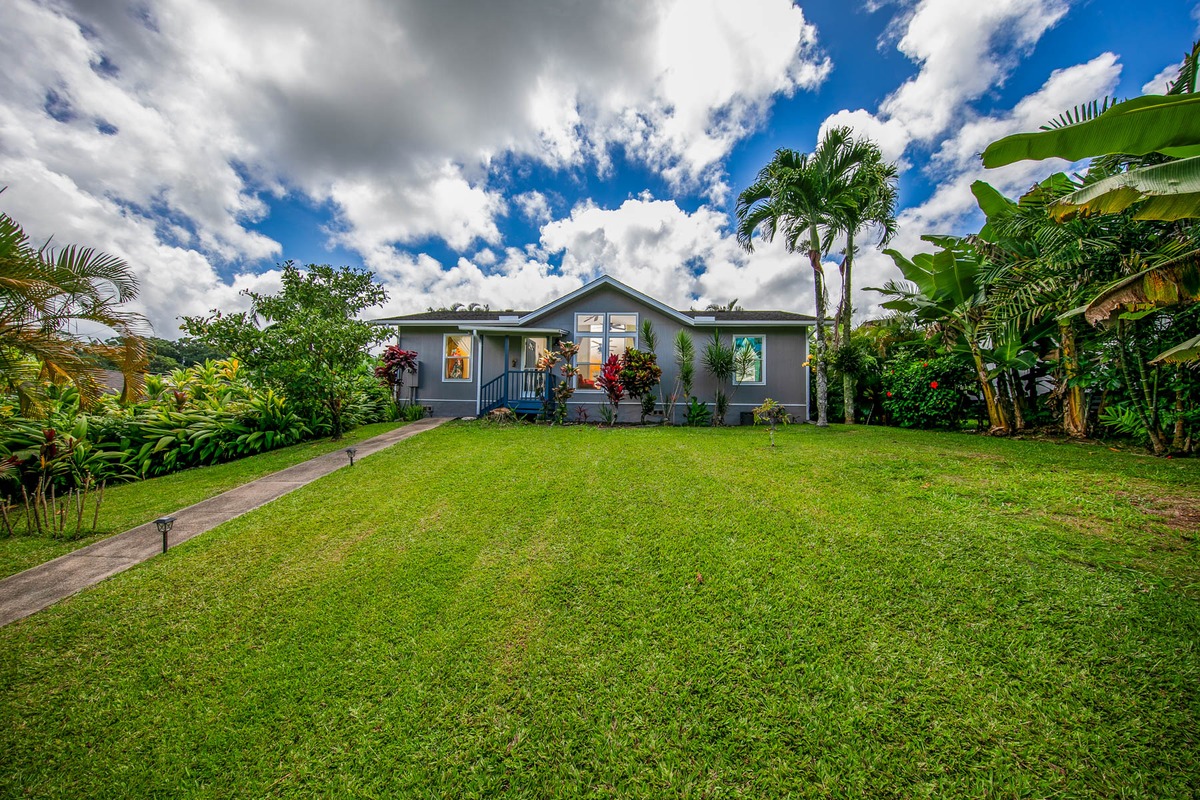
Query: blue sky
507	153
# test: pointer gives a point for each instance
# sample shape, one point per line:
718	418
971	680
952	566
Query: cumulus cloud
534	206
682	258
952	208
963	50
178	120
1159	83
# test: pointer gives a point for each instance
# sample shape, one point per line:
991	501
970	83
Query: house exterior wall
447	398
786	348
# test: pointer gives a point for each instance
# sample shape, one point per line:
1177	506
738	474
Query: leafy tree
1167	127
45	292
1146	160
304	341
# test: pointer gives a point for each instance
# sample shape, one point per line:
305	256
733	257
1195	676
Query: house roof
753	316
519	319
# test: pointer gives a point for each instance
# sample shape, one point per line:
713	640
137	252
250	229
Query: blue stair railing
523	390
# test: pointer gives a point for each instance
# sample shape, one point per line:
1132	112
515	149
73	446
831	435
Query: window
752	363
600	336
589	360
589	323
457	352
622	323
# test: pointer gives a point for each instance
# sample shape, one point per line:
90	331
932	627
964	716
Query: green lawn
565	612
128	505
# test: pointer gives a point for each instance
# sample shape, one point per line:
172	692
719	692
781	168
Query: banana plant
948	289
1163	125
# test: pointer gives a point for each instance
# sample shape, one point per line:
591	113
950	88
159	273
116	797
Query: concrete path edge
39	587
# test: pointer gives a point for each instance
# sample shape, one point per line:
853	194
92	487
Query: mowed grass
128	505
573	612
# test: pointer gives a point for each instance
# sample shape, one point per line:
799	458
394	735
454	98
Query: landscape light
350	451
164	525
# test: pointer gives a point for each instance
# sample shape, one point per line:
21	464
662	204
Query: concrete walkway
34	589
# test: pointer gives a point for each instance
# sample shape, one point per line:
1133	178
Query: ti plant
772	413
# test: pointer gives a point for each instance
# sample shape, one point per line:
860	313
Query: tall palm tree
873	186
804	197
43	294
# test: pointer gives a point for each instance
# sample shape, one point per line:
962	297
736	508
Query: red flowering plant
396	364
927	392
609	382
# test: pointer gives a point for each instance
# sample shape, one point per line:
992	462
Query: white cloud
172	121
682	258
951	208
534	206
1159	83
964	49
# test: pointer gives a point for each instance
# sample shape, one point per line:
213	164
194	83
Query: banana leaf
1167	124
1171	192
1188	351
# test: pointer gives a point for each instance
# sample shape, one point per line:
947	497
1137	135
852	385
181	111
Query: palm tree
874	203
805	197
43	294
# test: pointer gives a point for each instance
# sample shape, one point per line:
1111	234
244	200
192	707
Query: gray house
474	361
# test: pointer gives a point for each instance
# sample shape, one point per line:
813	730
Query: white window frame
606	335
762	356
470	358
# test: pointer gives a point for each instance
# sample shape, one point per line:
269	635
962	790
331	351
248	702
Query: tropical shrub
411	412
773	414
696	413
609	382
924	392
312	345
718	359
640	375
396	364
685	363
564	358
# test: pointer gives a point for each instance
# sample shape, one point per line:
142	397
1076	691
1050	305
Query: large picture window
457	352
752	364
600	336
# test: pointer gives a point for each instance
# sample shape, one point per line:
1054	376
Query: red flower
889	394
933	384
924	363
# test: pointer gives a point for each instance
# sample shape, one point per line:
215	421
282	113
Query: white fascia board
427	323
514	329
756	323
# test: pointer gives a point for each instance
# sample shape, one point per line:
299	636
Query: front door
533	348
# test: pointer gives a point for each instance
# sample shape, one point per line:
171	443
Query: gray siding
448	398
785	351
